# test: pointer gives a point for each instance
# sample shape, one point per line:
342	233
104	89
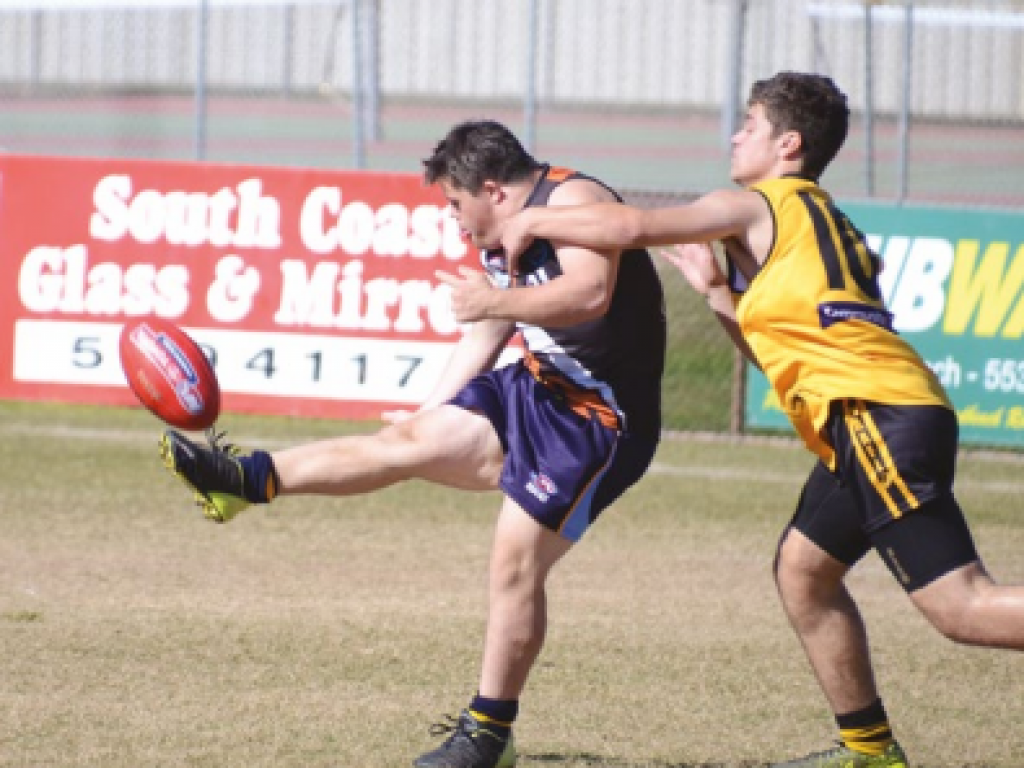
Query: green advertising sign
954	280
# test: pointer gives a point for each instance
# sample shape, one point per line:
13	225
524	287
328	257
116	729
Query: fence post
739	393
358	143
371	70
734	71
200	94
904	124
36	52
869	103
530	92
287	48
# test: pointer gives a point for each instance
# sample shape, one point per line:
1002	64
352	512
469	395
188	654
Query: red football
169	373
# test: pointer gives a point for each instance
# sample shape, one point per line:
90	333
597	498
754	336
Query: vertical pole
731	107
904	126
287	49
530	91
200	94
869	104
358	143
36	54
371	107
734	71
739	392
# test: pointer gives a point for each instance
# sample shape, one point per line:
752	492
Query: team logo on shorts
541	486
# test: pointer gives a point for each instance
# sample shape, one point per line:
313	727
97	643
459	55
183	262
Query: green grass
332	632
699	361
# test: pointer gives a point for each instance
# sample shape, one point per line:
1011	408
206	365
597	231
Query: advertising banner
954	280
312	291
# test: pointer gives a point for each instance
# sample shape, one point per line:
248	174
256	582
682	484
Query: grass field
333	632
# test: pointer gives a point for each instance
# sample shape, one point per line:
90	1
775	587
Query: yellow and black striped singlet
814	317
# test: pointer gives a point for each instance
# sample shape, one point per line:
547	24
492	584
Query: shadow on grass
584	759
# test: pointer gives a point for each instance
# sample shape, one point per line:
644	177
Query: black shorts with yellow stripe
892	489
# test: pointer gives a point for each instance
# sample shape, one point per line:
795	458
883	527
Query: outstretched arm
476	352
582	291
615	226
702	271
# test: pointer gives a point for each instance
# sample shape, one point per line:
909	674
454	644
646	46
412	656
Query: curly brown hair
812	106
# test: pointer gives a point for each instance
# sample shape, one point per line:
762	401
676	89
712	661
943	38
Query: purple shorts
562	468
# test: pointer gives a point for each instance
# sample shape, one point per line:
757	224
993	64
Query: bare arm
699	266
720	301
582	292
614	226
475	353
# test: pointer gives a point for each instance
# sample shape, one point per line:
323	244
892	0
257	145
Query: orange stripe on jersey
560	174
581	401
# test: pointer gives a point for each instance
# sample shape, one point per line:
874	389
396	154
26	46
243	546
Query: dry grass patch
332	632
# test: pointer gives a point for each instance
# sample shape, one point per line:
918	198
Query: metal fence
646	90
642	93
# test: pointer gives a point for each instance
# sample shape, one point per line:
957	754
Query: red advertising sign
313	292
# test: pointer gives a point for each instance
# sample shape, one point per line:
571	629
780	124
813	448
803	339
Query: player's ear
494	192
791	144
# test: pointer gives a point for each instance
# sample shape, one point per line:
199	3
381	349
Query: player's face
475	214
755	151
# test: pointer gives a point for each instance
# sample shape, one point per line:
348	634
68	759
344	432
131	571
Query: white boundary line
695	471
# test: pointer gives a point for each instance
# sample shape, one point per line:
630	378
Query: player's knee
793	577
806	591
403	439
516	571
784	565
514	574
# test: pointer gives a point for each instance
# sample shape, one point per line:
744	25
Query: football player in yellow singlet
800	297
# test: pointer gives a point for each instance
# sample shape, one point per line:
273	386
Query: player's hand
515	240
698	264
396	417
472	293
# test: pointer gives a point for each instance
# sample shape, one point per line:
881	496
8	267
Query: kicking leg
448	445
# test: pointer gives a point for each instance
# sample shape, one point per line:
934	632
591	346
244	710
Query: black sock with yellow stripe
496	715
867	730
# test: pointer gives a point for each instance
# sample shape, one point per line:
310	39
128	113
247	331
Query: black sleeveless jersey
614	362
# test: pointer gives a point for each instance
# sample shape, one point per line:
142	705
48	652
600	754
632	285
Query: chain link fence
641	93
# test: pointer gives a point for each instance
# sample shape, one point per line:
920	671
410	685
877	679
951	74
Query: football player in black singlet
562	432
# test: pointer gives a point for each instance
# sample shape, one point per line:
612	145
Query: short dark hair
812	106
477	151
